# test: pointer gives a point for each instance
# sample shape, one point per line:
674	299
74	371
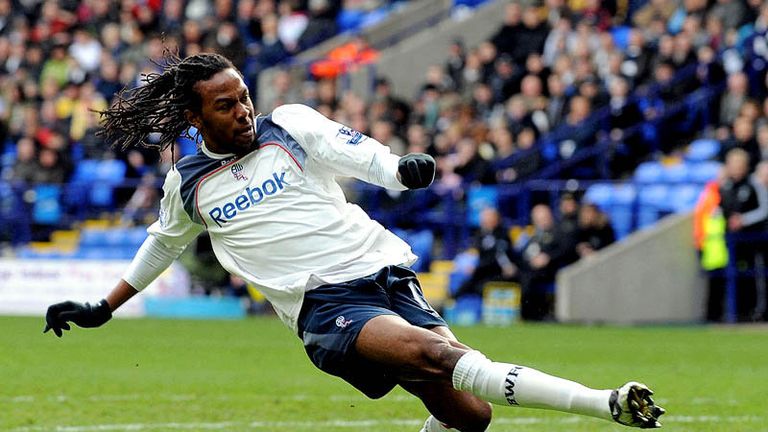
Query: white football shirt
276	216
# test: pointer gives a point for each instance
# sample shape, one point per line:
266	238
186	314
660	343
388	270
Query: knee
477	419
437	356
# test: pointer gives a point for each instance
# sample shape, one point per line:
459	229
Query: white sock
508	384
433	425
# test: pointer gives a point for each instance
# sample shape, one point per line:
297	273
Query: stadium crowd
560	75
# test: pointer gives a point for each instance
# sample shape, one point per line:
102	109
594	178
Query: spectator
734	96
739	199
397	109
557	101
26	167
52	169
654	9
383	132
578	132
85	50
508	36
568	221
540	256
531	36
322	23
743	137
594	232
496	258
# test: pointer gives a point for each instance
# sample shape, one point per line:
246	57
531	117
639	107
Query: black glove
84	315
417	170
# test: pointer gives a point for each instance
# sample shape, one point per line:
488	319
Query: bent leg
417	354
455	409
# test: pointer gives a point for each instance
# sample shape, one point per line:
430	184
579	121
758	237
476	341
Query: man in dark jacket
542	256
496	257
740	202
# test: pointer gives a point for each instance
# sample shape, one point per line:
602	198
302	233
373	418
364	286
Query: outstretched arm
167	239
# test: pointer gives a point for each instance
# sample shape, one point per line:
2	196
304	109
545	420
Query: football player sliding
264	188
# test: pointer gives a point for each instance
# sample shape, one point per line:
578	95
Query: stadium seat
620	36
622	209
85	171
466	311
683	197
702	150
93	237
703	172
653	196
421	243
187	145
108	174
624	195
653	201
677	173
349	19
47	209
599	194
649	172
478	198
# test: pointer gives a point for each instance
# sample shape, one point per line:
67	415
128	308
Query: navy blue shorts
333	316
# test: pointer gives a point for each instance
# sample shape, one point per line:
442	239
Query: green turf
253	375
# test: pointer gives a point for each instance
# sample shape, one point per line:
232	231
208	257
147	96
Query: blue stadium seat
704	172
108	174
421	243
655	195
111	171
622	209
186	145
93	237
621	221
374	17
653	201
478	198
47	208
702	150
136	236
624	195
620	36
466	311
675	173
683	197
649	172
85	171
599	194
349	20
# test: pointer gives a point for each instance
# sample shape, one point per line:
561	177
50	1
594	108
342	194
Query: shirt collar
213	155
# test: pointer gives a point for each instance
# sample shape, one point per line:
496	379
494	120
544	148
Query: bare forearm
120	294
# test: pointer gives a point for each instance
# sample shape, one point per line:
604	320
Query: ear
192	118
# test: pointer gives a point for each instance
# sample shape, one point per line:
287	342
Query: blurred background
598	160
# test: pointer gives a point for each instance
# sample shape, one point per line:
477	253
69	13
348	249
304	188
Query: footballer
264	189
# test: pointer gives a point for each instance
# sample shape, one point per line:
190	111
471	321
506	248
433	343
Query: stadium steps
434	283
65	238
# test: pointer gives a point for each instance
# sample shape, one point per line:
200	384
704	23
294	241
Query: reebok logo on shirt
249	197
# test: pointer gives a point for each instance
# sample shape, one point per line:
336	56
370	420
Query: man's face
226	113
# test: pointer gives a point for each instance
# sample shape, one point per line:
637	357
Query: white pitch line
350	424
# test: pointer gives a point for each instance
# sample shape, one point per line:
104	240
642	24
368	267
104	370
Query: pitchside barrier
29	286
653	276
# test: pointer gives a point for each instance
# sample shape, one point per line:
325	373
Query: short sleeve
174	227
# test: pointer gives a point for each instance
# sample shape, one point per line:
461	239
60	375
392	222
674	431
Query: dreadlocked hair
157	106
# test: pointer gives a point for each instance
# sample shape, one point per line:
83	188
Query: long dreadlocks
158	105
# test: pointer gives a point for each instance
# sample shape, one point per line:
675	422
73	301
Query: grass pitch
252	375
